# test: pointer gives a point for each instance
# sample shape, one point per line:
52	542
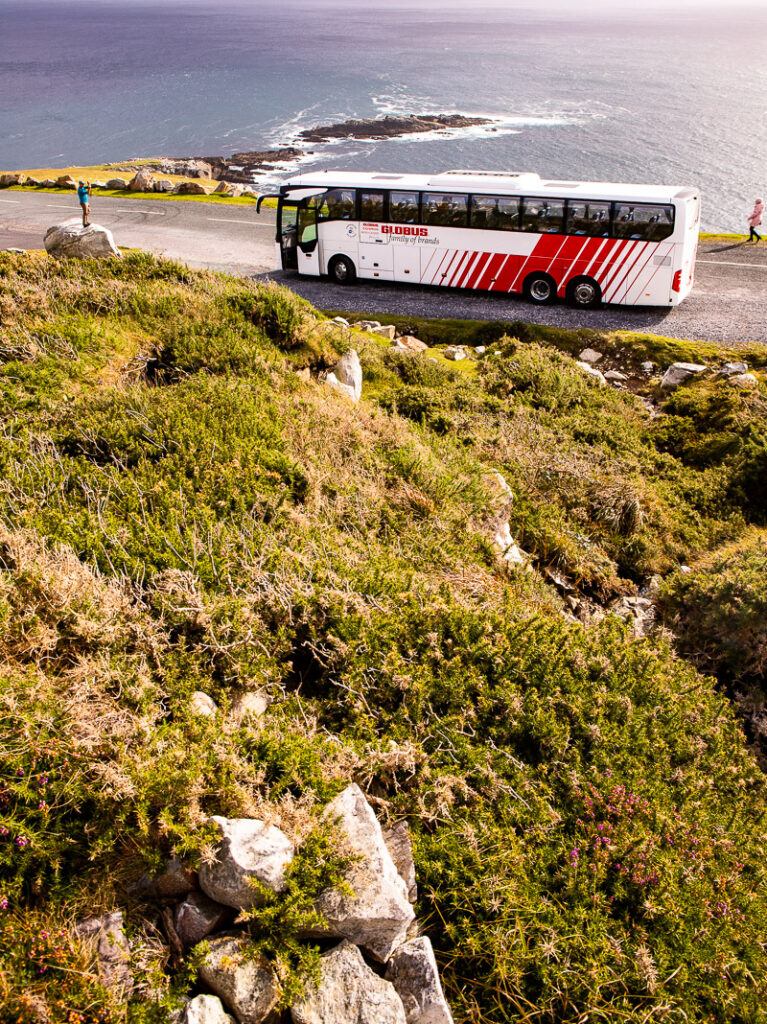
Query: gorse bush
182	512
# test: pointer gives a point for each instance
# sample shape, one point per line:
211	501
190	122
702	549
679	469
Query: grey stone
192	188
249	851
648	366
12	178
66	181
73	241
384	330
732	369
678	373
454	352
340	321
206	1010
413	972
250	703
348	371
47	183
142	181
744	380
247	987
176	880
345	389
117	184
163	185
202	704
410	343
590	355
480	349
507	546
367	325
400	846
612	375
106	937
198	916
378	914
348	993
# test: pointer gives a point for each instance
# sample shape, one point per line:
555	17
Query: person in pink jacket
755	220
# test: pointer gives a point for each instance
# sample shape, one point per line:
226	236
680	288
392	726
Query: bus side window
448	210
546	216
337	204
644	222
497	212
372	206
403	207
588	218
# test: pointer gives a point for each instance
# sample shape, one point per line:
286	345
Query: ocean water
673	94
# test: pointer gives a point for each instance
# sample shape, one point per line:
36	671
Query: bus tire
540	289
341	270
584	293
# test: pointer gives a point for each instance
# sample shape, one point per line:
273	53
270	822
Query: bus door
308	261
287	235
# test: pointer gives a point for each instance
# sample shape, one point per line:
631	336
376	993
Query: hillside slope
186	507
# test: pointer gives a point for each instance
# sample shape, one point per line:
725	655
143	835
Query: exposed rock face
348	993
247	987
249	850
117	184
192	188
399	845
206	1010
378	914
346	375
105	935
47	183
590	356
413	972
678	373
390	126
72	240
142	181
202	704
199	916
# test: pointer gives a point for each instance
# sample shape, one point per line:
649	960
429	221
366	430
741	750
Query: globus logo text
403	229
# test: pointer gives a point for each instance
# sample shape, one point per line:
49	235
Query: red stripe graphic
652	276
461	263
579	263
467	270
435	279
491	269
638	254
611	270
478	270
447	276
425	270
646	251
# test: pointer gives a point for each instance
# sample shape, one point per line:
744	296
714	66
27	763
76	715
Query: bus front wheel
540	289
584	293
341	270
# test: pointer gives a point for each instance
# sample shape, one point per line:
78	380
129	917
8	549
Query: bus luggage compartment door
375	250
407	261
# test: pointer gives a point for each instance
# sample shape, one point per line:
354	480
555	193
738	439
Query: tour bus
586	242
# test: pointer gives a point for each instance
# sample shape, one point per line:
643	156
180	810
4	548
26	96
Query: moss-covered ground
184	507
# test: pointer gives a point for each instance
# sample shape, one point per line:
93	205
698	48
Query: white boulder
249	851
247	987
202	704
348	993
496	484
590	370
348	372
206	1010
678	373
507	546
615	375
590	356
455	352
73	241
378	913
414	973
250	703
117	184
142	181
733	369
744	380
163	185
409	343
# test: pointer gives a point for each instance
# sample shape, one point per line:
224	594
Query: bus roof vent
511	179
387	177
562	184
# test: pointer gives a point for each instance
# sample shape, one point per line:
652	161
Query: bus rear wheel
341	270
540	289
584	293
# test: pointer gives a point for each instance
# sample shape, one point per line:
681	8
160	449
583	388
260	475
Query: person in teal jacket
84	195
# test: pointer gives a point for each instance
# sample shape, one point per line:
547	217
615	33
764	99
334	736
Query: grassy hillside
184	506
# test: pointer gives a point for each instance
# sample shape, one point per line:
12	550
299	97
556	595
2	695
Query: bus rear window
403	207
500	213
337	204
442	208
643	221
546	216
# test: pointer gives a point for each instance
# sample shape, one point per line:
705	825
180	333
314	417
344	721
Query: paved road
728	304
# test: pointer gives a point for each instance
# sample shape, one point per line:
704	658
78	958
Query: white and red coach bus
586	242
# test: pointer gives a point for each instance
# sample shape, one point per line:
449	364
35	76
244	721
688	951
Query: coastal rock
192	188
106	937
367	325
678	373
348	371
340	321
414	973
206	1010
198	916
175	881
142	181
400	847
348	992
47	183
590	370
377	915
202	704
72	240
454	352
385	331
117	184
247	987
249	851
744	380
224	188
164	185
12	178
590	356
66	181
409	343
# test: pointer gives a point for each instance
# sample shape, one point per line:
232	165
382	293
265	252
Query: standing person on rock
84	195
755	220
